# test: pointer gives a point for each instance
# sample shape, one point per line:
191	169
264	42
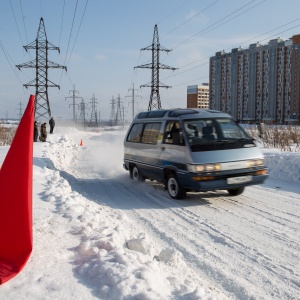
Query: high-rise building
258	84
198	96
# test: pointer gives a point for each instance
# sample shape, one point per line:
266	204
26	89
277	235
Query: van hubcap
173	188
135	174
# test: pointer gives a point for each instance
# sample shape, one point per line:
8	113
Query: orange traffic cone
81	144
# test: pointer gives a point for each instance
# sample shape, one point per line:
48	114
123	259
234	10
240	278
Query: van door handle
163	148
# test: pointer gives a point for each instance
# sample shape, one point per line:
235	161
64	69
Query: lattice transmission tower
82	106
119	114
20	111
155	47
74	97
93	120
41	64
133	96
112	112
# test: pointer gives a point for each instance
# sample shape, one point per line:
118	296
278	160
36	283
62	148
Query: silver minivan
192	150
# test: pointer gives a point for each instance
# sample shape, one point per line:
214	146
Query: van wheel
236	192
135	175
174	188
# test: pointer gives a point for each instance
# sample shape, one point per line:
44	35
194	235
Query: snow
97	235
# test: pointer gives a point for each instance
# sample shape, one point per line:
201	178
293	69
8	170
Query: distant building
258	84
198	96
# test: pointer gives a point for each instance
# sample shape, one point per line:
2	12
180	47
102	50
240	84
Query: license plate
241	179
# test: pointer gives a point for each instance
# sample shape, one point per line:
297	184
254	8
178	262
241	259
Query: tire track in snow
229	238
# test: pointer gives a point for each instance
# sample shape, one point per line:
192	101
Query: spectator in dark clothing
35	131
52	124
43	135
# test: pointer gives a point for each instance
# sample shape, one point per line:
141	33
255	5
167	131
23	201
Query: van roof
181	113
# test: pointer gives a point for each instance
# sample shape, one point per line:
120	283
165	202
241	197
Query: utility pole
74	102
133	99
154	102
41	64
93	119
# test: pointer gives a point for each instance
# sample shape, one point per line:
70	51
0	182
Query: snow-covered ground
97	235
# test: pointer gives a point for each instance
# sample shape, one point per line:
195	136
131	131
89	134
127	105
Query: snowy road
247	247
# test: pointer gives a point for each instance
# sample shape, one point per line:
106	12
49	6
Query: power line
247	41
16	22
23	21
171	13
281	32
190	18
78	30
71	31
205	30
8	59
61	23
75	37
255	38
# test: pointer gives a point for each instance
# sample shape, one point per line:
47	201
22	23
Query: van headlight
204	168
255	163
260	162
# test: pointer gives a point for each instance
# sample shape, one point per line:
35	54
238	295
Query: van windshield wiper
245	140
221	142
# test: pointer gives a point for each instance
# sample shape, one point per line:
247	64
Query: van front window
215	134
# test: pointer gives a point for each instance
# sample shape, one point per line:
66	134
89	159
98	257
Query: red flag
16	199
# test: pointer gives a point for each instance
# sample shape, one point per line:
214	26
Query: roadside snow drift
97	235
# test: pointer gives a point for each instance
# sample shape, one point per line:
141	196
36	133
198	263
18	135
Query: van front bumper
211	182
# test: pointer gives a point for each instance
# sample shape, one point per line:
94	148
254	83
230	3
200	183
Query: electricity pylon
118	116
93	120
155	47
20	111
82	107
74	102
41	64
133	99
112	113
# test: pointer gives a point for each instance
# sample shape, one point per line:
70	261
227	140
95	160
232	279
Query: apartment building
258	84
198	96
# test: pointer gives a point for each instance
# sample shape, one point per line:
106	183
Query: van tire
236	192
175	190
135	175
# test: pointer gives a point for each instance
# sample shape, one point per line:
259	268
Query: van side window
135	133
173	133
150	133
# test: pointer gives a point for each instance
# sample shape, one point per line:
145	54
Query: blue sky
103	46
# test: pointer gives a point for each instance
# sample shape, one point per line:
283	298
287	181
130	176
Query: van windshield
215	134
